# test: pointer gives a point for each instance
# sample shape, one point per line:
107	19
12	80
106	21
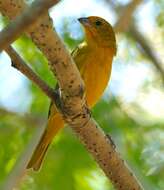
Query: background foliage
131	109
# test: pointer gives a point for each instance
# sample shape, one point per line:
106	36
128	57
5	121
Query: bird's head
98	31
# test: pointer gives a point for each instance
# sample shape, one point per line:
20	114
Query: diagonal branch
75	111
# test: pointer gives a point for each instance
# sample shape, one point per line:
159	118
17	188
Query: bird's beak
84	21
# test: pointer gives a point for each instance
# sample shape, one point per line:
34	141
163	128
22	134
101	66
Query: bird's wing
79	56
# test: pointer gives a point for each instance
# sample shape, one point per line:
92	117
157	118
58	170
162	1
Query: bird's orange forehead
96	18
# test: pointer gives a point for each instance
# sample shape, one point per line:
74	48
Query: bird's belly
96	76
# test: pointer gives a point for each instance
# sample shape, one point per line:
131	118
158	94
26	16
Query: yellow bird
93	58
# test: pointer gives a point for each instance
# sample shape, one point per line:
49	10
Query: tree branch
75	111
124	24
148	51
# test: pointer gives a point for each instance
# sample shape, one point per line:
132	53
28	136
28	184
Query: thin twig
18	63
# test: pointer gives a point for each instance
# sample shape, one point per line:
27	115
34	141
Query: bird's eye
98	23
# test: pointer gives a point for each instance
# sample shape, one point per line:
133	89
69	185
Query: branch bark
74	109
25	21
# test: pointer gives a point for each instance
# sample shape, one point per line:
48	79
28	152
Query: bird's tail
55	123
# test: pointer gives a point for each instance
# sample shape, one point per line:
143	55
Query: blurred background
131	110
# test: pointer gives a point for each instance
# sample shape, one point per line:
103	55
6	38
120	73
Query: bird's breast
96	73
